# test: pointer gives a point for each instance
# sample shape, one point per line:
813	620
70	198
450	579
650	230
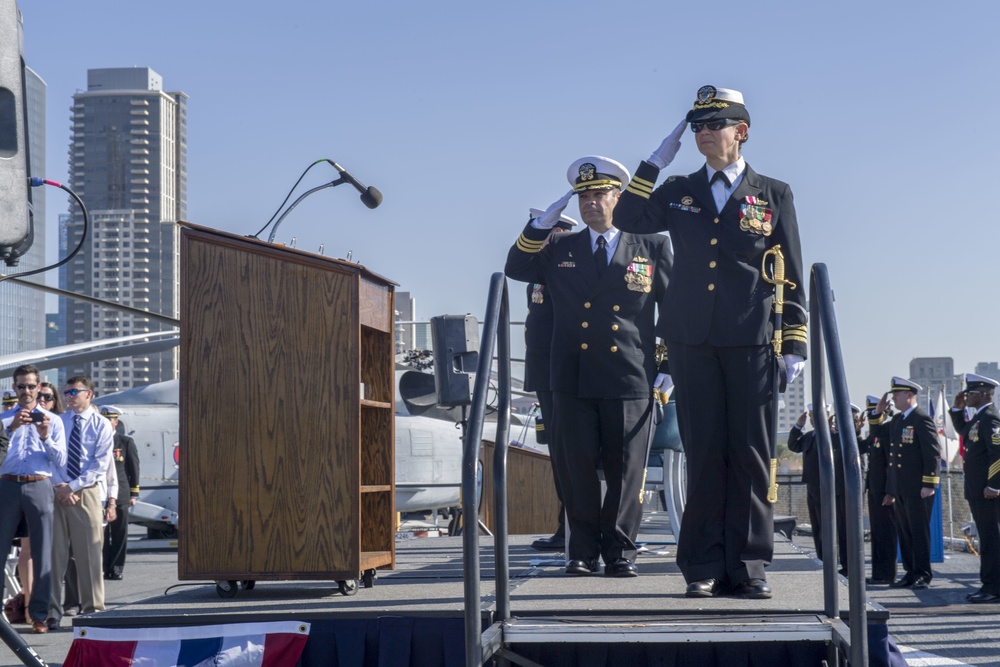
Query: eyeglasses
74	391
29	387
46	397
714	125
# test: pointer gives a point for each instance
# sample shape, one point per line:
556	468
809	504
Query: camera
37	417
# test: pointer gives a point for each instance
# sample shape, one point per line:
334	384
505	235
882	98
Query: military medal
755	216
639	275
536	293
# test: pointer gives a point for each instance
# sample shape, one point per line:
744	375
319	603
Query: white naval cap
595	172
973	381
110	411
872	401
903	384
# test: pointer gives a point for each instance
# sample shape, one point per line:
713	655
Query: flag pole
947	467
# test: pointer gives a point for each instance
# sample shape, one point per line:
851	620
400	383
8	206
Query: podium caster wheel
248	584
349	587
227	589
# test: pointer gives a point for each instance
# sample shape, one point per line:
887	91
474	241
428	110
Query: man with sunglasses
981	434
80	492
37	449
722	219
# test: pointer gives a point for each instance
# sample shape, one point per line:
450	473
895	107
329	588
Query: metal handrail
825	336
496	329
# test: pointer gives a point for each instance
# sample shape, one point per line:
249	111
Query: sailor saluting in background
722	220
605	287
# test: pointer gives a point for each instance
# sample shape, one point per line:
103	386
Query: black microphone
370	196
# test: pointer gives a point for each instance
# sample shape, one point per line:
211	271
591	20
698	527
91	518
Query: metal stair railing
496	329
825	337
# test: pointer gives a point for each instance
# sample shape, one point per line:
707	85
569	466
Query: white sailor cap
565	222
855	409
872	401
110	411
595	172
902	384
9	396
980	382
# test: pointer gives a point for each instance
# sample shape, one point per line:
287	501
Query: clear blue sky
465	114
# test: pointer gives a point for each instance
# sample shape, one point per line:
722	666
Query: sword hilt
772	488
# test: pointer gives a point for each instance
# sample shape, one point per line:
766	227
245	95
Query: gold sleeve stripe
930	479
994	469
637	192
642	184
525	244
875	421
794	337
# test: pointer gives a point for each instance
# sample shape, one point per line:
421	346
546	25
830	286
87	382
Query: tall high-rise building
23	307
932	373
128	162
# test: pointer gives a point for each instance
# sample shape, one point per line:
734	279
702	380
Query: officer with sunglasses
722	219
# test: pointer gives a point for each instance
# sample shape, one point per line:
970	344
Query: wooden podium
286	414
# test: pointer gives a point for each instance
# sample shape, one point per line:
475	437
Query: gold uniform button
714	241
615	308
614	348
614	327
583	346
584	325
716	221
711	286
586	304
711	264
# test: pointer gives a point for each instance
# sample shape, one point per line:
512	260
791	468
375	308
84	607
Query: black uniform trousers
724	416
115	541
986	514
607	433
913	519
547	404
882	521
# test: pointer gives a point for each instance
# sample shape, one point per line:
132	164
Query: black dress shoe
703	588
902	582
622	567
113	576
921	583
753	589
872	581
983	597
554	543
579	567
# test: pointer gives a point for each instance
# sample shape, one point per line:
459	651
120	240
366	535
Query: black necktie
601	255
719	176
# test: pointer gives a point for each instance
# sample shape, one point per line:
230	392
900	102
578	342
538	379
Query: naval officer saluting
981	434
606	287
723	219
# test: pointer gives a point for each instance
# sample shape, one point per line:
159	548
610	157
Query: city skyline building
24	307
128	162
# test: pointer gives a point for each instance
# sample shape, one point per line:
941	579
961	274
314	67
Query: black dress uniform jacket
881	518
981	435
716	293
604	332
537	339
982	468
914	453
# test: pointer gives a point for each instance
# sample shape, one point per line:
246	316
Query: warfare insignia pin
706	93
687	201
587	171
638	258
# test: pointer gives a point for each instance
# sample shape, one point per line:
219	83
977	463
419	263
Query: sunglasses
29	387
74	391
46	397
714	125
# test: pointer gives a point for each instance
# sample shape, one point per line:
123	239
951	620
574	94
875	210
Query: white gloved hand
664	155
550	217
794	365
663	383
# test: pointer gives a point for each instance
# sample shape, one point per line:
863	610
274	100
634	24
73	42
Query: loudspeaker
15	221
455	340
